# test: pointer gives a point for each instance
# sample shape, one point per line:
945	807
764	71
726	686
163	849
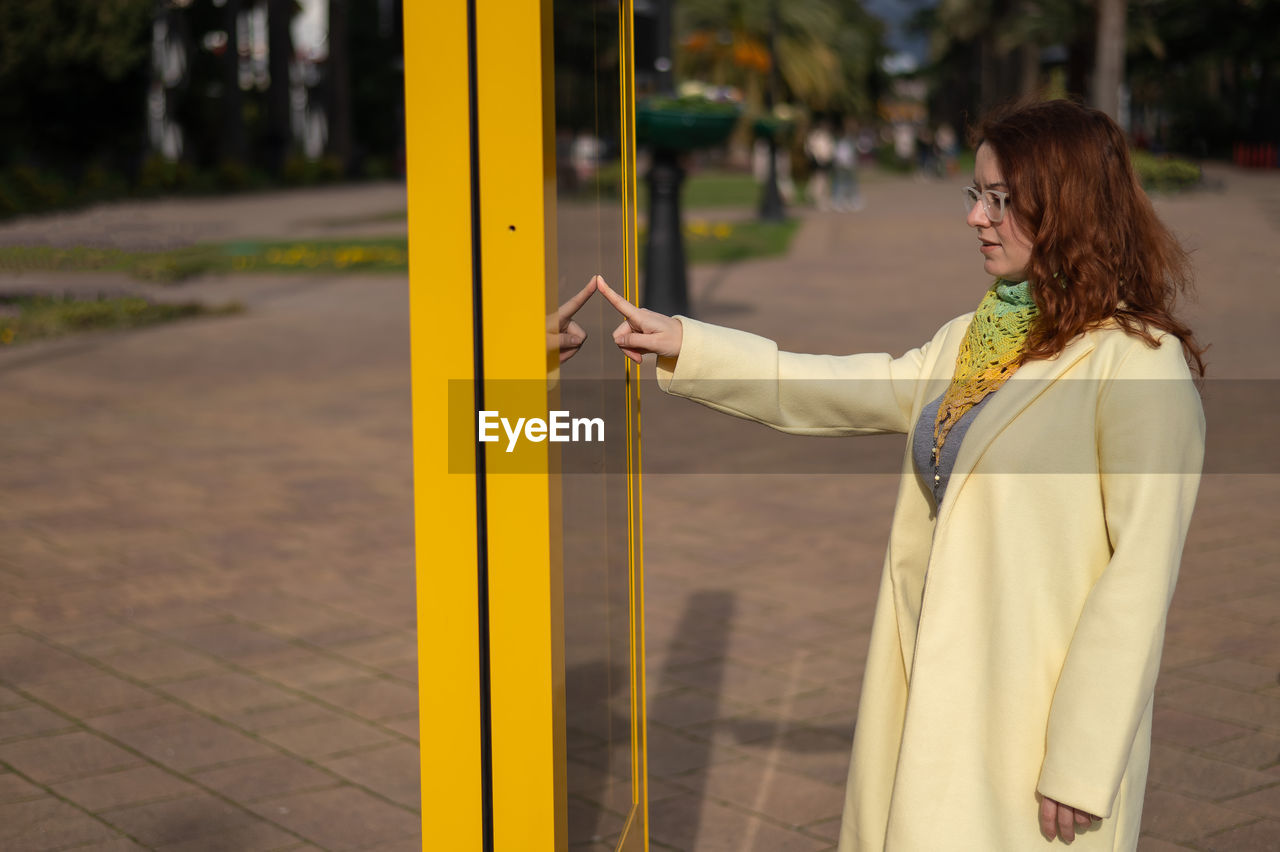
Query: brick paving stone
115	844
160	661
103	639
1175	817
371	698
391	772
737	683
186	819
10	699
682	706
305	670
762	788
93	695
48	824
65	756
264	778
1201	777
1261	836
31	720
1147	843
24	661
408	725
225	692
1253	751
716	828
184	743
124	788
1175	727
246	837
340	819
262	719
826	829
229	639
1228	704
1235	673
333	735
414	844
1264	803
14	788
381	650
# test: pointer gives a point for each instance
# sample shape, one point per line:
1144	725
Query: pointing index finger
628	310
569	308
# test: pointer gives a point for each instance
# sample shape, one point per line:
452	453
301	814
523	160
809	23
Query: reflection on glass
590	223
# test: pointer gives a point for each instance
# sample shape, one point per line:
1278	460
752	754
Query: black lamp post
666	284
771	206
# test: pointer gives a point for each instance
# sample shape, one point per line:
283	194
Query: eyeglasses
993	202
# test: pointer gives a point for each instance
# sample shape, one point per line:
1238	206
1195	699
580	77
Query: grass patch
710	189
27	318
381	255
1164	173
730	242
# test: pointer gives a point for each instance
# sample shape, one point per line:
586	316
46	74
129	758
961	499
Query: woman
1055	451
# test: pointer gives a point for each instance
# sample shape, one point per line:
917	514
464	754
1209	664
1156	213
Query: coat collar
1009	401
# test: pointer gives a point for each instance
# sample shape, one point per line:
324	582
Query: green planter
685	124
767	127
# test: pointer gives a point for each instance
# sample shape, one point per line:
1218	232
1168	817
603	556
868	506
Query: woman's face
1005	249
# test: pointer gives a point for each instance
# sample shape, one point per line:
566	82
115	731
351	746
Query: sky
908	47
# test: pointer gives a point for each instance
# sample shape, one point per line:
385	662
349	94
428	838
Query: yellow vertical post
437	118
517	186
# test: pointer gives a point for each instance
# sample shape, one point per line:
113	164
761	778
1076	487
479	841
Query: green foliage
732	242
1165	174
827	51
738	241
889	160
72	78
377	255
27	318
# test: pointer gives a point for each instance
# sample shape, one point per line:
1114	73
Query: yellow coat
1028	661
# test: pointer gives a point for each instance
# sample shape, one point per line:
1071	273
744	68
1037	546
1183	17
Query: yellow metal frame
512	531
441	317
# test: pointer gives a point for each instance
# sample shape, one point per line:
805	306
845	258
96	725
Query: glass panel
590	238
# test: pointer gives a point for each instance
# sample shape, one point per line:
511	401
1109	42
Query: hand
1059	820
643	330
562	332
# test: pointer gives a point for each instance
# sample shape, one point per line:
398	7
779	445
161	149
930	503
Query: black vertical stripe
482	519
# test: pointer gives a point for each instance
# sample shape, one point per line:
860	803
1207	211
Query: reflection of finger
623	307
570	307
575	329
568	340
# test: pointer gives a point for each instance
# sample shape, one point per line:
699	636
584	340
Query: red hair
1095	240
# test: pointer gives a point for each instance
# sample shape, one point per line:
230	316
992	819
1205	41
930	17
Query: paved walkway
206	555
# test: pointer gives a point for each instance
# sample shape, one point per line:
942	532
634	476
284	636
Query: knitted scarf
989	354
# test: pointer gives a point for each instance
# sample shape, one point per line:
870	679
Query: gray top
935	479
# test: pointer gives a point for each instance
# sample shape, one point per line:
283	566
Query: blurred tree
73	78
828	51
279	60
1204	73
233	148
1108	71
339	69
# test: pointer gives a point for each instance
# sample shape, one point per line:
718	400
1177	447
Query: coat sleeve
745	375
1150	436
